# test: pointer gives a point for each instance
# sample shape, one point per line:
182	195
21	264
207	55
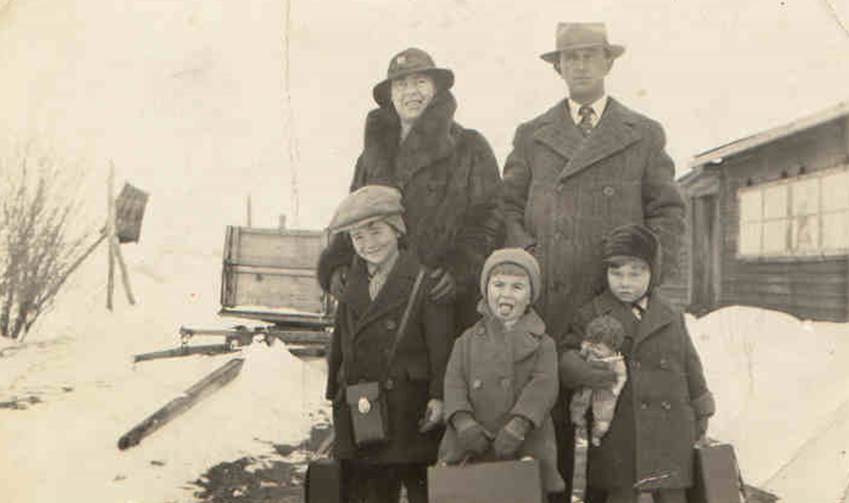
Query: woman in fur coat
448	176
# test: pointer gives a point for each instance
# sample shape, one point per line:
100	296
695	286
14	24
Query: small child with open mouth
501	381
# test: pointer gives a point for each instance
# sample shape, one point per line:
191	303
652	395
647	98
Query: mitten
510	438
472	437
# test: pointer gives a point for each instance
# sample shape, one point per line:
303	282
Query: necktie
586	123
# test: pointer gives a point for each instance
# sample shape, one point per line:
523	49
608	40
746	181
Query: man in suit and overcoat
585	166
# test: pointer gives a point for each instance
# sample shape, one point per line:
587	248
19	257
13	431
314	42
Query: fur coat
449	179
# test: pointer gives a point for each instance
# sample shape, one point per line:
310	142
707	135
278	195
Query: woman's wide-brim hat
408	62
572	36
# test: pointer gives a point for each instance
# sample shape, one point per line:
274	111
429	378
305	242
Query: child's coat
650	441
495	374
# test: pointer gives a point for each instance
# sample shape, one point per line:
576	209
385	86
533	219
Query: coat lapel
395	291
559	133
657	316
612	134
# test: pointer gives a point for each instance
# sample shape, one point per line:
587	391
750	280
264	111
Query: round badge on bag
363	405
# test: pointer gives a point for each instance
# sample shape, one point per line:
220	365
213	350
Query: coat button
666	406
644	405
505	383
635	364
389	384
477	384
559	187
390	325
608	191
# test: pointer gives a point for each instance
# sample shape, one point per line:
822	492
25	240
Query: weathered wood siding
807	287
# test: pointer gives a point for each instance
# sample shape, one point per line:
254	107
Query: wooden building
769	221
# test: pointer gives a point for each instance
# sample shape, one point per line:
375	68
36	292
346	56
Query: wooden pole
125	276
203	388
110	233
248	209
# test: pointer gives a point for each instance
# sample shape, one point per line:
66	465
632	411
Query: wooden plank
301	293
205	349
200	390
110	237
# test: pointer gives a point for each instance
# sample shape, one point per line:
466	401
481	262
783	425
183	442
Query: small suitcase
517	481
716	476
324	482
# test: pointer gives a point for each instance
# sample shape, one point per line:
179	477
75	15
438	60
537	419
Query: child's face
375	242
508	296
629	280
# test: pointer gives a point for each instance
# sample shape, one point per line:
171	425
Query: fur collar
432	138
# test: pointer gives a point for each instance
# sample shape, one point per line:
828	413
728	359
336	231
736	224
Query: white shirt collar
598	107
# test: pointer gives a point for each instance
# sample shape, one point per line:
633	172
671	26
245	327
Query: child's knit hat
515	256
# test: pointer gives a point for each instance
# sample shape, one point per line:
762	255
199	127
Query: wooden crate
269	274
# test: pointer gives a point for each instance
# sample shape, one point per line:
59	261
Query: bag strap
405	319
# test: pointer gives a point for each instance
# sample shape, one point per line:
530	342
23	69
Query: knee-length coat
449	179
563	192
651	438
362	336
495	374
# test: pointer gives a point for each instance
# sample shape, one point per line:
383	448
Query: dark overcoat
653	431
449	179
563	192
362	336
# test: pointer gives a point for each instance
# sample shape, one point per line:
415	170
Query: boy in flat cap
665	404
380	283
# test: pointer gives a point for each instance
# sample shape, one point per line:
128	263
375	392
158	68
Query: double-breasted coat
362	337
563	192
449	179
651	438
495	374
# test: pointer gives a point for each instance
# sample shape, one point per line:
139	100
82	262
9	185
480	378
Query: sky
203	103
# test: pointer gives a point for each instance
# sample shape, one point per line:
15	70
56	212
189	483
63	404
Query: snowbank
782	390
79	362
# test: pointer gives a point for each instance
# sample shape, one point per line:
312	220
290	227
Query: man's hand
445	287
510	438
576	372
432	417
337	281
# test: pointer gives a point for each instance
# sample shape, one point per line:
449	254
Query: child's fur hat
606	330
516	256
633	240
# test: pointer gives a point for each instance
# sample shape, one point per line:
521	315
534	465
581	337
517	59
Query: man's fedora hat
581	35
408	62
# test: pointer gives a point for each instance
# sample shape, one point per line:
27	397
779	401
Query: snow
78	362
782	391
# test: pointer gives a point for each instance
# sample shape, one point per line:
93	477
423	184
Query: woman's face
411	95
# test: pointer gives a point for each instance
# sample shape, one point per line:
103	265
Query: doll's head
604	337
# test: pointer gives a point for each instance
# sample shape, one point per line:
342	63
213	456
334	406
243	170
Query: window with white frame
805	215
